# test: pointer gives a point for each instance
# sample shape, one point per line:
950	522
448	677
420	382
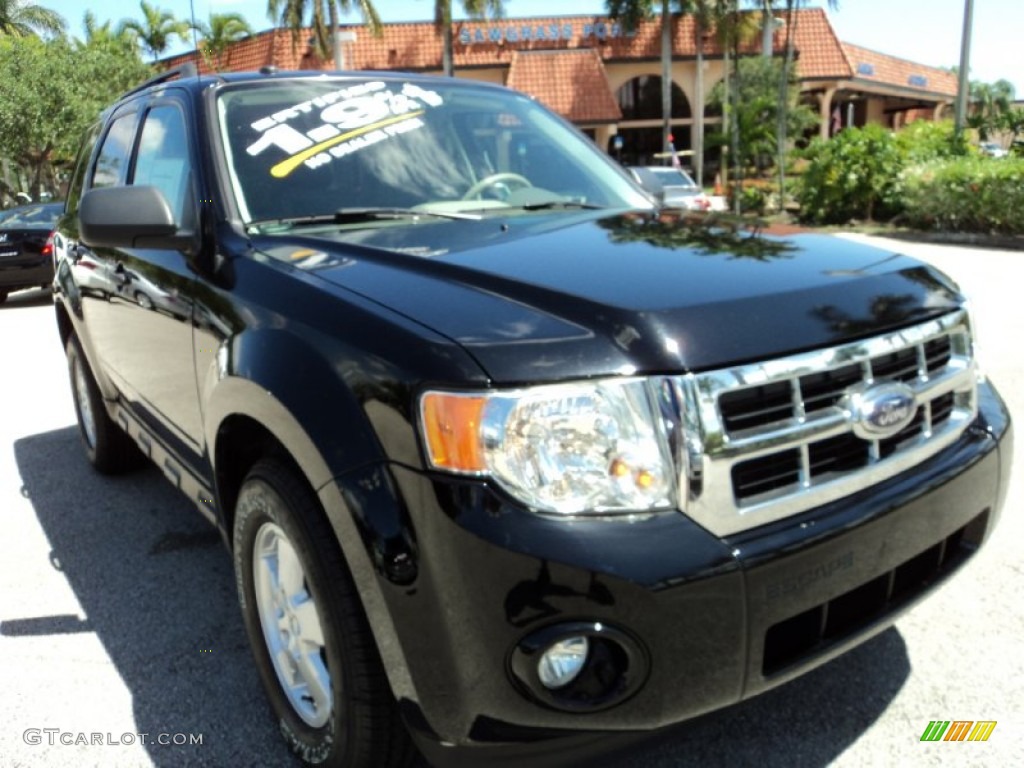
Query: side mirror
130	217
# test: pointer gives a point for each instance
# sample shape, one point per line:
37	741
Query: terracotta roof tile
890	70
819	52
275	47
416	46
573	83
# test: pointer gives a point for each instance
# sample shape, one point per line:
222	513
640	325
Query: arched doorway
640	129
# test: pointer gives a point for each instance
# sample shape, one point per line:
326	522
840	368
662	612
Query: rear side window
78	179
113	157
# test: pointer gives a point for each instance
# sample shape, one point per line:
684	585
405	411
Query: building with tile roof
606	79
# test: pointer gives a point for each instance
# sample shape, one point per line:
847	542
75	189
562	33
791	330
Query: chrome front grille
765	441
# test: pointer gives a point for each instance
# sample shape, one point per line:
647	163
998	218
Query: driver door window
163	161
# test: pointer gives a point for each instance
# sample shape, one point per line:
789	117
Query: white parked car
672	187
992	149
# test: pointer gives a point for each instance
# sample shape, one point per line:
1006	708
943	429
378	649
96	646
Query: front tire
109	449
314	650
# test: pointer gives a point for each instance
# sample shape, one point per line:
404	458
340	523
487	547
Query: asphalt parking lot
118	614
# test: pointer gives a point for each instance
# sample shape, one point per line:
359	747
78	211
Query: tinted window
672	177
163	159
42	216
78	179
113	157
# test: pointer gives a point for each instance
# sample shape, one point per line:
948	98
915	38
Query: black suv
503	454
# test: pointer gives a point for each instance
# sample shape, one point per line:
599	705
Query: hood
563	295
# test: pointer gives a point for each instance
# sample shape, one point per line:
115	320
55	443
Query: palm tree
477	9
292	15
217	36
103	35
22	19
767	8
732	28
792	6
156	29
720	15
631	12
989	103
707	15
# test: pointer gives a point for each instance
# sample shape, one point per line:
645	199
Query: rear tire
313	646
3	296
109	449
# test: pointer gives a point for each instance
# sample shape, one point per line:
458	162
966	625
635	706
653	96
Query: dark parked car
671	187
26	247
505	456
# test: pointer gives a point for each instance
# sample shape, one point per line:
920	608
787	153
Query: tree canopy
52	91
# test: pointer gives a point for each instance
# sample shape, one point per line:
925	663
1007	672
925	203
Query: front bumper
716	620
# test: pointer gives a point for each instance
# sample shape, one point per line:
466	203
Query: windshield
303	149
31	216
671	177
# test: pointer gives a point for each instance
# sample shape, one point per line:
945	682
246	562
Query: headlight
977	350
569	448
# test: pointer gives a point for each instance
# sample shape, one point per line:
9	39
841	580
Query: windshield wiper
356	215
555	204
348	215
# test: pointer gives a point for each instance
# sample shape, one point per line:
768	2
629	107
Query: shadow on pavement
157	588
36	297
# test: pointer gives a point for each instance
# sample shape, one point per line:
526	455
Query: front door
145	316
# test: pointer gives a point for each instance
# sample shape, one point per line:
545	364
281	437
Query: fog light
562	662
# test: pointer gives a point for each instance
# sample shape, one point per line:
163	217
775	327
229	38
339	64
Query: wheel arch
241	442
248	423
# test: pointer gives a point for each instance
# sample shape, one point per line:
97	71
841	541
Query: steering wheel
495	178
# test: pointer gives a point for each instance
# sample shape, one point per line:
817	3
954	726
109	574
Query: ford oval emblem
881	410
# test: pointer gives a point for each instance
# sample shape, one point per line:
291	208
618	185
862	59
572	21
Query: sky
925	31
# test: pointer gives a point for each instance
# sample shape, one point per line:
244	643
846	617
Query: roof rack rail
187	69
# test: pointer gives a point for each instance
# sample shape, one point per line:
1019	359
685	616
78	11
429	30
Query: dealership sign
527	33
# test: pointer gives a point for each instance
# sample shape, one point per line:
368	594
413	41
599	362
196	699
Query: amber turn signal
451	426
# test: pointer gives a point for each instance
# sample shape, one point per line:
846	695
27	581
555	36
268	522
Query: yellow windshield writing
285	167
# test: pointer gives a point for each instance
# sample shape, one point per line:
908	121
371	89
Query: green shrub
968	194
853	175
924	141
758	196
